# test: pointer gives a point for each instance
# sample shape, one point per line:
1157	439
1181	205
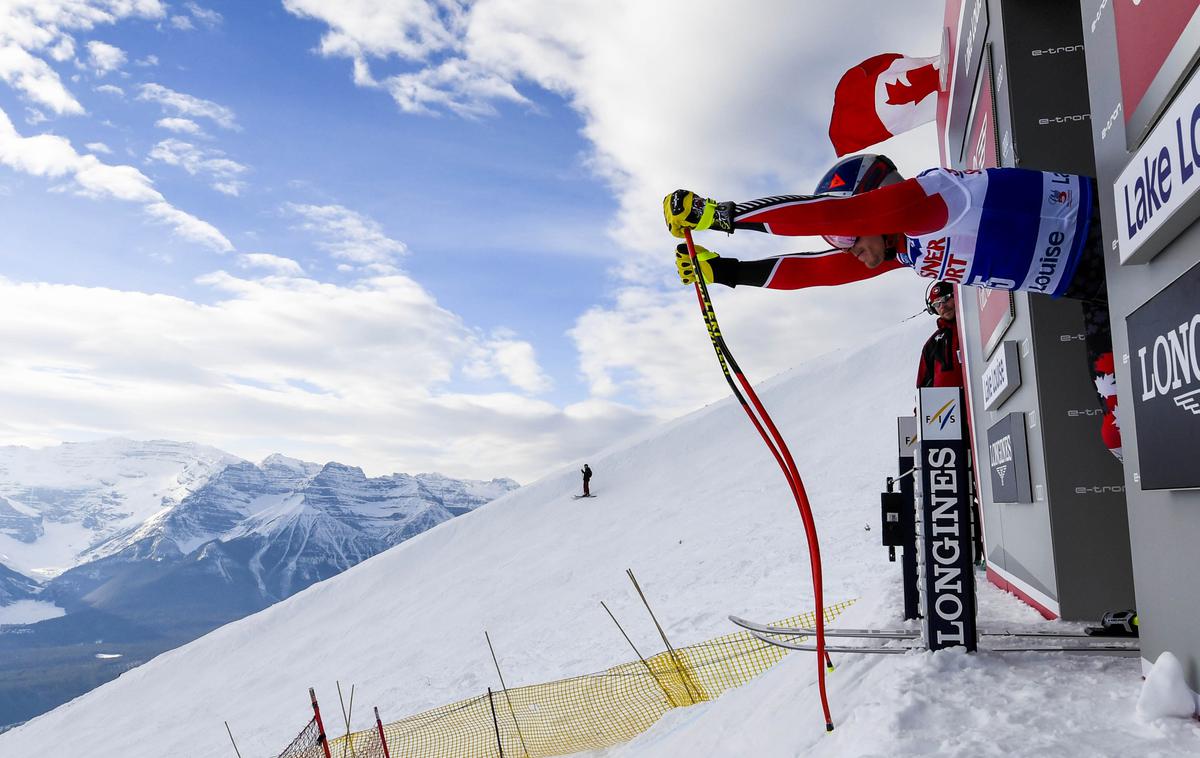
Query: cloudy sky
411	235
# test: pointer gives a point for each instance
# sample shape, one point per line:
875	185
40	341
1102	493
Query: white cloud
105	58
409	28
30	29
274	263
180	125
506	356
111	89
34	78
99	147
360	373
347	234
668	99
199	161
53	157
149	60
459	86
188	105
183	23
206	16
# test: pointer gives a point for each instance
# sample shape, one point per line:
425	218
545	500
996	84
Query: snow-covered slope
699	511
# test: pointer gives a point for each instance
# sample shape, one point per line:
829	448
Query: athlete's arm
796	271
902	208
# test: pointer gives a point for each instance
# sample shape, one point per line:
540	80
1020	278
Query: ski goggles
839	242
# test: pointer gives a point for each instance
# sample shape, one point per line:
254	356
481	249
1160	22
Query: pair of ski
770	634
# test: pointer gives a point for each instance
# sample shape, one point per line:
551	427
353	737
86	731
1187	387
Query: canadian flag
882	97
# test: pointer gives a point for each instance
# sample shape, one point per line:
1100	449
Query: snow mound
1165	693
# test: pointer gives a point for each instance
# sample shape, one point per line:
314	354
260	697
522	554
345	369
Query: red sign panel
995	306
1147	34
981	138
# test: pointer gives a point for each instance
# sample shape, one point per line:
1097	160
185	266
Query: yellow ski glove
687	272
684	209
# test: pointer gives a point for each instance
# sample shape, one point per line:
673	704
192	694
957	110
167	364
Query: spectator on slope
1001	228
941	361
587	479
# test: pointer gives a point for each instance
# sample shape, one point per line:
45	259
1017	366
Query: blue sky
410	235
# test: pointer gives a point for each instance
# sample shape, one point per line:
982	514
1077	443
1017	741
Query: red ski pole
783	457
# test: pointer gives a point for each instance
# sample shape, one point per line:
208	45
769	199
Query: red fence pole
320	726
382	738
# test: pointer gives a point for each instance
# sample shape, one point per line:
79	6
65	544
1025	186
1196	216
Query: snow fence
567	716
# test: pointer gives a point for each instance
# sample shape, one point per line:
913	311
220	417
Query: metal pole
649	670
495	723
235	748
346	716
674	657
504	686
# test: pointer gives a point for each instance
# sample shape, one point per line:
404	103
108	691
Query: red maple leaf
921	82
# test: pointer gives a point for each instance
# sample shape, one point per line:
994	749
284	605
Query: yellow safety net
587	712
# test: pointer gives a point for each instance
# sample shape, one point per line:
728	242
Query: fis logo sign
1060	197
943	416
941	413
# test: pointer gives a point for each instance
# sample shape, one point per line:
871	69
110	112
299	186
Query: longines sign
1008	458
1164	357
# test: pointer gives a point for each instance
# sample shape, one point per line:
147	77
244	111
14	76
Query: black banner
1008	459
946	522
1164	361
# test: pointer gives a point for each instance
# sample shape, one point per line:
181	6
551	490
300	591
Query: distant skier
587	478
1001	228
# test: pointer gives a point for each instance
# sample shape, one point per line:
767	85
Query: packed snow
699	510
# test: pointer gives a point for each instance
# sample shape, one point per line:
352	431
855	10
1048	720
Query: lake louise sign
1156	194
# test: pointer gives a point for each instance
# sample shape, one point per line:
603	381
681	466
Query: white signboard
941	413
906	436
1155	191
1002	376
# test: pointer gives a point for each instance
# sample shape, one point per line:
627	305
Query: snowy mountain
699	510
219	538
58	504
14	586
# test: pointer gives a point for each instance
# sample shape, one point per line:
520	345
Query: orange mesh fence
573	715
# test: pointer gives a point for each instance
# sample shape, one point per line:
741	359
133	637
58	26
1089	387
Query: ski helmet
935	294
853	176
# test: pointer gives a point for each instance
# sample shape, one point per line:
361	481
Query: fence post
495	723
312	695
683	674
382	736
670	700
507	699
